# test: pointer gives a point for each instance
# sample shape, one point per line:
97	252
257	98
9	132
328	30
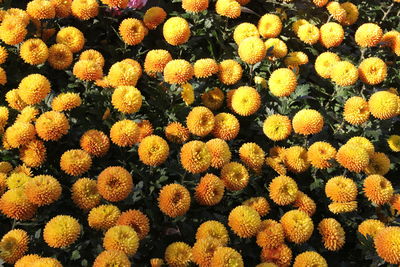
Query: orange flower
75	162
235	176
378	189
213	229
153	17
352	157
14	245
176	31
283	190
200	121
95	142
43	190
177	133
341	189
114	183
85	9
297	225
84	194
307	121
61	231
270	234
226	126
124	133
153	150
156	60
387	244
174	200
195	157
210	190
220	152
52	125
103	217
305	203
112	258
122	238
333	235
137	220
132	31
252	155
281	255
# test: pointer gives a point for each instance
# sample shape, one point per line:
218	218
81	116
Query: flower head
246	101
370	227
283	190
333	235
226	126
387	244
43	190
228	8
137	220
75	162
235	176
153	17
220	152
176	31
230	72
270	234
378	189
52	125
356	110
324	64
213	229
178	71
177	133
34	51
112	257
309	258
383	105
178	254
132	31
174	200
103	217
124	133
95	142
71	37
114	183
61	231
269	26
122	238
13	245
84	194
368	35
195	157
225	257
34	88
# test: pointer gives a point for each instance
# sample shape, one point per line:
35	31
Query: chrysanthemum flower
176	31
280	255
230	72
260	204
276	48
156	60
353	157
244	221
305	203
282	82
5	167
62	8
270	234
324	64
47	261
244	30
283	190
200	121
203	250
370	227
296	25
235	176
372	70
269	26
383	105
95	142
379	163
153	17
392	40
308	33
378	189
103	217
12	31
331	34
178	71
195	157
252	155
387	244
277	127
14	204
368	35
127	99
85	9
363	143
19	134
4	115
394	143
194	5
187	93
60	56
225	257
137	220
309	258
205	67
342	207
87	70
34	88
153	150
341	189
356	110
156	262
14	245
3	183
27	260
145	129
177	133
395	202
114	183
213	229
124	133
43	190
228	8
132	31
178	254
66	101
3	54
17	180
122	4
41	9
61	231
336	11
71	37
34	51
320	3
75	162
84	194
295	59
333	235
351	13
220	152
17	13
122	238
213	99
344	73
92	55
246	101
174	200
252	50
320	154
307	121
297	225
296	159
112	258
226	126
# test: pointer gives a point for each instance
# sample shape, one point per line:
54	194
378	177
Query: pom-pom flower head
110	258
370	227
324	64
61	231
34	51
383	105
282	82
252	50
228	8
52	125
176	31
84	194
75	162
43	190
122	238
225	257
356	110
174	200
153	17
283	190
200	121
235	176
277	127
71	37
178	254
333	235
213	229
320	154
269	26
297	225
309	258
244	30
14	245
280	255
195	157
352	157
230	72
344	73
178	71
331	34
124	133
387	244
103	217
226	126
137	220
114	183
378	189
246	101
153	150
95	142
270	234
205	67
341	189
60	56
156	60
220	152
368	35
16	205
252	155
85	9
372	70
244	221
34	88
132	31
195	5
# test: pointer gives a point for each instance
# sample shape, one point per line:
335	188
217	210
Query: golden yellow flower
344	73
210	190
85	9
200	121
260	81
34	51
19	134
320	155
294	59
228	8
351	13
14	204
260	204
252	155
276	48
176	31
203	250
230	72
296	25
33	154
244	30
220	152
27	260
153	17
187	93
114	183
213	229
60	56
66	101
19	14
283	190
246	101
92	55
333	235
195	157
387	244
341	189
156	60
305	203
174	200
13	245
194	5
226	126
112	258
226	257
356	110
368	35
103	217
178	71
122	238
270	234
71	37
52	125
280	255
269	26
342	207
252	50
84	194
124	133
137	220
62	8
75	162
277	127
34	88
3	54
331	34
178	254
123	73
372	70
394	143
177	133
324	64
320	3
392	40
87	70
61	231
363	143
235	176
370	227
153	150
308	33
296	159
309	258
43	190
379	163
297	225
17	180
41	9
205	67
12	31
378	189
127	99
383	105
353	157
282	82
213	99
132	31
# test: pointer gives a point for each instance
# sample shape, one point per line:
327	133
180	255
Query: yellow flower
372	70
244	30
205	67
112	258
127	99
260	81
352	157
178	254
324	64
305	203
297	225
331	34
213	229
269	26
244	221
260	204
252	155
203	250
226	126
75	162
320	154
276	47
341	189
176	31
309	258
383	105
178	71
387	244
153	150
124	133
66	101
71	37
123	73
52	125
85	9
370	227
213	99
283	190
228	8
210	190
379	163
153	17
156	60
356	110
60	56
3	54
282	82
12	30
308	33
174	200
368	35
246	101
235	176
200	121
187	93
270	234
394	143
84	194
252	50
41	9
230	72
61	231
114	183
220	152
33	154
378	189
226	257
122	238
34	51
43	190
132	31
277	127
351	13
294	59
194	5
34	88
87	70
280	255
177	133
103	217
344	73
14	245
342	207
